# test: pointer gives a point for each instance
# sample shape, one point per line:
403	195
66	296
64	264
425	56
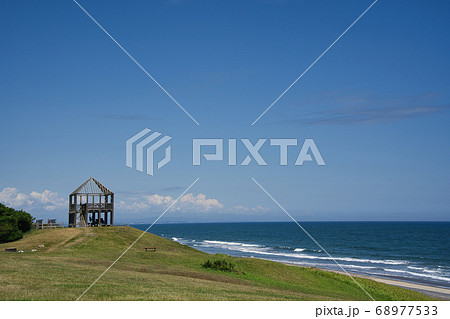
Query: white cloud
187	203
47	200
158	200
11	197
190	203
199	202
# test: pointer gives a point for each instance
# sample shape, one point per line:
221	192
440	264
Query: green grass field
73	258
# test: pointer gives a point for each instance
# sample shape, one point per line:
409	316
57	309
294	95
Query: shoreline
173	272
432	291
423	287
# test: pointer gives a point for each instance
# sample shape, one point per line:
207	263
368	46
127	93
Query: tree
13	223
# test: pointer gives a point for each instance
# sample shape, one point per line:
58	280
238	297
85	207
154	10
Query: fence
39	224
51	223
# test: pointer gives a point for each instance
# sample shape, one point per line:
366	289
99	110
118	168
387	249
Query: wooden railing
91	206
48	225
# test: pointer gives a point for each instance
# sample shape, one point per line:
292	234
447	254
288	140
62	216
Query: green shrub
13	224
221	265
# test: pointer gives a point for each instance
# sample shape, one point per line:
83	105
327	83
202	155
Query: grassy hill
73	258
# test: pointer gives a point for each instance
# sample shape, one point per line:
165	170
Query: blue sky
377	106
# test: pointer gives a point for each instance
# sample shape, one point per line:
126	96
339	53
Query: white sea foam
373	270
416	268
418	274
431	271
257	249
360	267
395	270
230	243
301	256
425	269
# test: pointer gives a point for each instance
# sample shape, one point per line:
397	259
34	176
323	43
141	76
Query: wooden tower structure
91	204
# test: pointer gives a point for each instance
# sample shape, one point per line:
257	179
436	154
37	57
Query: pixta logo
253	151
144	141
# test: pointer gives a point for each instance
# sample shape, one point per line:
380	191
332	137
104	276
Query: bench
150	248
11	249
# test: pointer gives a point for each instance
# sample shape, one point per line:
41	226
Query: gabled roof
92	186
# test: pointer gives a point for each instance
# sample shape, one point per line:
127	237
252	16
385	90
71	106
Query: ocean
409	251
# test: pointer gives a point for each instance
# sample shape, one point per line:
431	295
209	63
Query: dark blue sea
410	251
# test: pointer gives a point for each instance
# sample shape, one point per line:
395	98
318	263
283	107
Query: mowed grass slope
73	258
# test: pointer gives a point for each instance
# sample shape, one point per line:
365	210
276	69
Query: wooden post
112	210
100	210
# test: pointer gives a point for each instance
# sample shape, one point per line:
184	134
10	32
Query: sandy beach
432	291
435	292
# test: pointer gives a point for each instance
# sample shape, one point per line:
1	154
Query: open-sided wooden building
91	204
